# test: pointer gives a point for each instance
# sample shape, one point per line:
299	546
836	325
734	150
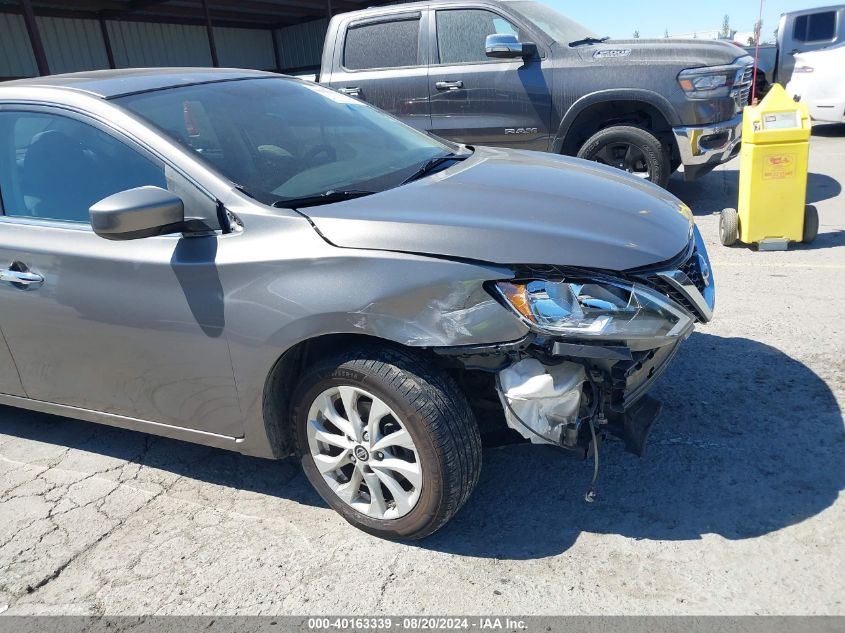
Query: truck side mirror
138	213
507	46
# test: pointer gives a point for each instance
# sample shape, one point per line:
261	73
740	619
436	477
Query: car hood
689	53
516	207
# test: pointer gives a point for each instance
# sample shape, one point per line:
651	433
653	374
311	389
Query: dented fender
412	300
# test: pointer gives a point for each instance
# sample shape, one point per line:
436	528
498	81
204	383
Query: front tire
631	149
387	440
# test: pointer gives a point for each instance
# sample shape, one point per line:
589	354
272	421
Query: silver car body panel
10	381
518	207
187	353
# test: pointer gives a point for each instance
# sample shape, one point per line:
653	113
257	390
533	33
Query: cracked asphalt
736	509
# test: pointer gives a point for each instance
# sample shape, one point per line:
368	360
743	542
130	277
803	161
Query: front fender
406	299
661	103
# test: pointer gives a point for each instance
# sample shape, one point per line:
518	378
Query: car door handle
24	278
352	92
794	51
449	85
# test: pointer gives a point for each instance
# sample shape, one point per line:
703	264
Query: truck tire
630	149
811	224
401	475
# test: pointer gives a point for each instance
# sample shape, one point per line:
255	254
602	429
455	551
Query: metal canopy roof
262	14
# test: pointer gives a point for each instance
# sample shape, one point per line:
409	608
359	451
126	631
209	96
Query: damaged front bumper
560	390
555	401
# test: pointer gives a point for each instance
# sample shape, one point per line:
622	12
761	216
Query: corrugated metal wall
301	45
16	58
77	44
245	48
144	44
72	45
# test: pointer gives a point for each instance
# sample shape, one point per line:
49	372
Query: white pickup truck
819	81
798	32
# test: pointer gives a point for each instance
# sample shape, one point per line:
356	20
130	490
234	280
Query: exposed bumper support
554	401
703	148
634	425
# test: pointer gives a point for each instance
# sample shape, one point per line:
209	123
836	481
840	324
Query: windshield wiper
326	197
589	40
432	164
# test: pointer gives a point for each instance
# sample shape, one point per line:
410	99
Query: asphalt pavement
737	507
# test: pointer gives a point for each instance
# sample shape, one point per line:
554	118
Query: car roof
114	83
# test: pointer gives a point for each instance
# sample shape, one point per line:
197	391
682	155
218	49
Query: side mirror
507	47
137	213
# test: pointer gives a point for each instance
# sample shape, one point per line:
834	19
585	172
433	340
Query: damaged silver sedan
260	264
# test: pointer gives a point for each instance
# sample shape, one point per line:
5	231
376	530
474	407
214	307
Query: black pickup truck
519	74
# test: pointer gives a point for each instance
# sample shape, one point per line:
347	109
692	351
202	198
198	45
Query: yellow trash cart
772	208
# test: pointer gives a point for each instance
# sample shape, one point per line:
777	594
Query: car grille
675	295
742	88
692	269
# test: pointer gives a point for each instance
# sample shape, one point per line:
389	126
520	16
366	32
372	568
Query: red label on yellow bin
778	166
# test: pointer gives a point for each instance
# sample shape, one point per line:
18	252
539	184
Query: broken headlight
595	309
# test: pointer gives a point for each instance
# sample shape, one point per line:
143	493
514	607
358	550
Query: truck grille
742	88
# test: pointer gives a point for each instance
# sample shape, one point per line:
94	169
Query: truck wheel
811	224
387	440
729	227
631	149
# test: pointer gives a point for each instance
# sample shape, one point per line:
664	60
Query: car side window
462	34
392	44
55	167
816	27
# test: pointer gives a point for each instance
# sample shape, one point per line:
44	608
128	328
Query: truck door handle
449	85
794	51
24	278
352	92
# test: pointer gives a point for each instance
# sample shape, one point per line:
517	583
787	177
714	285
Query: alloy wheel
624	156
364	452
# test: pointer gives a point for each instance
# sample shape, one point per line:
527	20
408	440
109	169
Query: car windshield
557	26
281	139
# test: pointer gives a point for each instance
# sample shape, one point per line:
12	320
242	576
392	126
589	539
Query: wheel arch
283	378
408	302
598	110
